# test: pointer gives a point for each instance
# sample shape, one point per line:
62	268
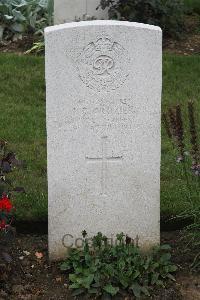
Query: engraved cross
104	160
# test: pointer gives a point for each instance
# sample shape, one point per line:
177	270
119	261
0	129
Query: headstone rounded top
101	23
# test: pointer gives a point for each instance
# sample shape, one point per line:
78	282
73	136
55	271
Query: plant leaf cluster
102	269
18	17
8	162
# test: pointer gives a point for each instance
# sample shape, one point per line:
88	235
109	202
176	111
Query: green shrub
111	269
168	14
18	17
192	6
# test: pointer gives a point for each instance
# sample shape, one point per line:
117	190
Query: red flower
5	203
2	224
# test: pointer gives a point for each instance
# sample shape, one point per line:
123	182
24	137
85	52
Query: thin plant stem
187	182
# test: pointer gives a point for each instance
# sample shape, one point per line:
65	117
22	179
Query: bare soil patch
188	45
19	46
183	254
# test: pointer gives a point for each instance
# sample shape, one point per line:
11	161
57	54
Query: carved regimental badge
103	64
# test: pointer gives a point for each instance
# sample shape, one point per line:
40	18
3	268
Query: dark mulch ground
19	46
26	273
189	42
29	275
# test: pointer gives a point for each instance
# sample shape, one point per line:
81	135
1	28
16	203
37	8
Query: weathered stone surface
71	10
103	125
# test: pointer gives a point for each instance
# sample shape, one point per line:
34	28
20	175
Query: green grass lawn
181	82
22	106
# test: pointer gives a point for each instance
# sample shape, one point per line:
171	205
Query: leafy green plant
18	17
168	14
104	269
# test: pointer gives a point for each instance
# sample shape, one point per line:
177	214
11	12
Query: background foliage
18	17
192	6
168	14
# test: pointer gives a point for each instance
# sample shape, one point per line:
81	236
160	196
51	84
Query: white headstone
103	125
71	10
